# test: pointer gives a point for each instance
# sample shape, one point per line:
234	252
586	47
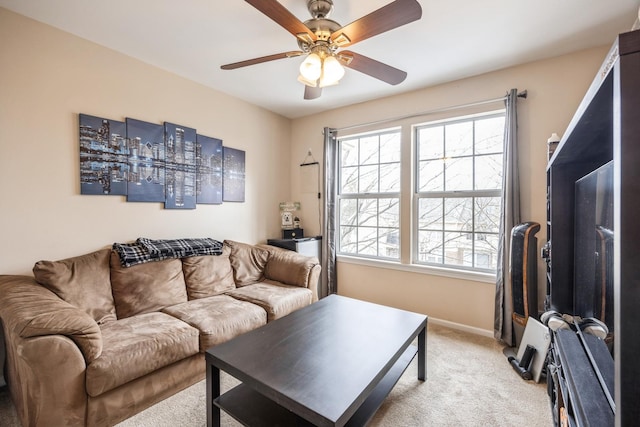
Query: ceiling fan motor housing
320	8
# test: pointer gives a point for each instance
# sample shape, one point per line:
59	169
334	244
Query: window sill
421	269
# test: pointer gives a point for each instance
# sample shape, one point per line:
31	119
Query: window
458	192
369	195
456	201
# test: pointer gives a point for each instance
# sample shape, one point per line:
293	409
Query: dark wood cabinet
605	130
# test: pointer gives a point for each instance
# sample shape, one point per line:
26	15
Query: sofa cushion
277	299
148	287
248	262
219	318
82	281
208	275
289	267
136	346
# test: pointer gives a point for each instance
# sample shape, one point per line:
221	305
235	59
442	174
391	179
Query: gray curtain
329	276
509	216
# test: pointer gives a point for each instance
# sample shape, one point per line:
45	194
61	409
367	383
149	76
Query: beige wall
47	77
555	88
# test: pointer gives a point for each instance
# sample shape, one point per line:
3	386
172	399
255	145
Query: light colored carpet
469	383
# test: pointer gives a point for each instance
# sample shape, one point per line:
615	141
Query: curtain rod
522	94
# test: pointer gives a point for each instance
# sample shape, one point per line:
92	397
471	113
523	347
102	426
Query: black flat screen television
593	262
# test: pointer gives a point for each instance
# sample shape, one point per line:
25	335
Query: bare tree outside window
369	195
458	187
457	168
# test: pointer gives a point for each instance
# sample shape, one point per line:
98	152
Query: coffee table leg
213	391
422	354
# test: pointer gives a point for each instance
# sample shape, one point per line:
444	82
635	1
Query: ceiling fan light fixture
311	67
305	81
332	71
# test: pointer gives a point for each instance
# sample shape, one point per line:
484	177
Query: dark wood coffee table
329	364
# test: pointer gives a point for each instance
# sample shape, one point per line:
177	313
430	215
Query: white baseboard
461	327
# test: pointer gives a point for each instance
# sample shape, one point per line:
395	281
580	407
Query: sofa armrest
27	310
293	269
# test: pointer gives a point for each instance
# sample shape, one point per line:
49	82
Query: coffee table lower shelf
251	408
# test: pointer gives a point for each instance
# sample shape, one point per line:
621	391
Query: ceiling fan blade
393	15
262	59
312	92
276	11
374	68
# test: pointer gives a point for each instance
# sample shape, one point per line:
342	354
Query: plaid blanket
147	250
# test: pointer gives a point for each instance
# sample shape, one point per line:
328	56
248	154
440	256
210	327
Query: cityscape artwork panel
209	170
180	167
104	156
146	162
166	163
233	175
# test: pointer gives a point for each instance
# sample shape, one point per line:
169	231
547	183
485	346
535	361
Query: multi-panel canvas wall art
180	167
233	175
146	161
150	162
209	172
104	156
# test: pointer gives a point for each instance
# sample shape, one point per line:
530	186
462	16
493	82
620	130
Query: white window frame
418	195
408	225
368	195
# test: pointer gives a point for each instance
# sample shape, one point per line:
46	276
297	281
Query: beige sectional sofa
90	342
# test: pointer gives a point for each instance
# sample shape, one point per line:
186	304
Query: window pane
388	243
459	139
369	150
431	143
367	240
487	210
431	177
390	147
349	152
368	212
348	212
390	177
368	179
486	251
430	246
389	214
458	248
348	240
489	135
489	172
349	180
430	213
459	174
458	215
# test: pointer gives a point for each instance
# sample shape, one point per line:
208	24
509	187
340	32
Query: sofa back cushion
208	275
148	287
82	281
248	262
289	267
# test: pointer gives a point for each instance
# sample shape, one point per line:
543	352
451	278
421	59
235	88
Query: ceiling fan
322	39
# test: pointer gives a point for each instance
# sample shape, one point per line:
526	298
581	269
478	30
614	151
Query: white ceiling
454	39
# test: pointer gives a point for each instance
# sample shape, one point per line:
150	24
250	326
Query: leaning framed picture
233	176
